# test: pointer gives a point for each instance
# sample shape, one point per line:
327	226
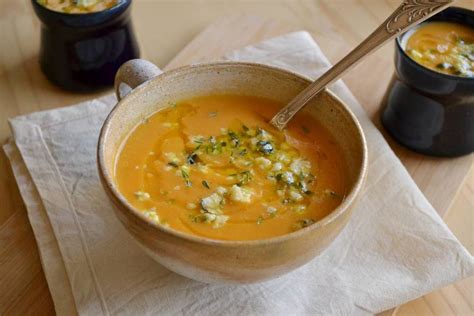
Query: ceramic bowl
218	261
428	111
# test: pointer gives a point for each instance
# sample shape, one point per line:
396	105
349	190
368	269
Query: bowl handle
132	74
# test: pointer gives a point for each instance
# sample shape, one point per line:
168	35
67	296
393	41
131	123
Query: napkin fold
394	249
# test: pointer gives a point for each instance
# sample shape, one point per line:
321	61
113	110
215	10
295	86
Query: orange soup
78	6
214	167
444	47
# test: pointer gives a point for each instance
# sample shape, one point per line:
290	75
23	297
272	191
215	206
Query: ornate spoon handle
407	15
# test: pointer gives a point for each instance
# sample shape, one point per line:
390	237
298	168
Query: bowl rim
399	38
108	182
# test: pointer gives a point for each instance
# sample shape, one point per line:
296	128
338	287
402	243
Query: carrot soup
444	47
78	6
214	167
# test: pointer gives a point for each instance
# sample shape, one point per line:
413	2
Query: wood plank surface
164	28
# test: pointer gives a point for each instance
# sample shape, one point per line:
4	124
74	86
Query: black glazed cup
427	111
82	52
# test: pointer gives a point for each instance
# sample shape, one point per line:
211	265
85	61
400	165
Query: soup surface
212	166
78	6
444	47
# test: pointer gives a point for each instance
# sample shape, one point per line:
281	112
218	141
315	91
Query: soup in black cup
83	43
430	103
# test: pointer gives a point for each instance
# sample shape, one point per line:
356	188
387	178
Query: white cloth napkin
394	249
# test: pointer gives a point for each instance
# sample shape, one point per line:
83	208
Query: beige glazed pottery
217	261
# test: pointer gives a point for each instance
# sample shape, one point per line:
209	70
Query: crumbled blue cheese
151	214
263	162
271	210
283	158
295	196
220	220
299	208
142	196
288	177
172	157
221	191
264	135
212	203
239	194
300	166
277	166
210	217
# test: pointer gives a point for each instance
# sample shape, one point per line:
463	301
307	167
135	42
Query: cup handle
132	74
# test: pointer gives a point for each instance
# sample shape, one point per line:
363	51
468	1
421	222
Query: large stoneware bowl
218	261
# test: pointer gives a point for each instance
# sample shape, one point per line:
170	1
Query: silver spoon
406	16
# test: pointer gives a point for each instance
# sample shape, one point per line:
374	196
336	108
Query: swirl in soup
214	167
444	47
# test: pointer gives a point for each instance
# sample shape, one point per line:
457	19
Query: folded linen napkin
394	249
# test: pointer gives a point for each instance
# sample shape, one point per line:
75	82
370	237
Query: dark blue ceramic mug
428	111
82	52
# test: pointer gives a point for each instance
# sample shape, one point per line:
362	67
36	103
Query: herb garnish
205	184
185	176
192	158
243	178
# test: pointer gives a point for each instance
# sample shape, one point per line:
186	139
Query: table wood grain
164	28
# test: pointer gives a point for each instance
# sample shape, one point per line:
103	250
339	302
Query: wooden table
164	28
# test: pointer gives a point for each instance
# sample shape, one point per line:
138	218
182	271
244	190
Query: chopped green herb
243	178
212	114
234	138
205	184
197	218
260	220
185	176
192	158
172	164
